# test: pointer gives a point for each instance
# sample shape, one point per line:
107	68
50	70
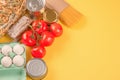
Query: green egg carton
13	72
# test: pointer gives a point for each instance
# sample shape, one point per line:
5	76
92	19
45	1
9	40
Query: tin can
17	29
35	5
36	69
50	15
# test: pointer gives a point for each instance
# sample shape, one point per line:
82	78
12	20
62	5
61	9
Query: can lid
35	5
36	68
50	15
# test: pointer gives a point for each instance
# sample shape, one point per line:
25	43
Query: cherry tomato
39	26
38	52
37	14
47	38
56	29
28	38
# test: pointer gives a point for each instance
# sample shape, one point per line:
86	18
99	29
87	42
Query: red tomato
56	29
38	52
47	38
37	14
28	38
39	26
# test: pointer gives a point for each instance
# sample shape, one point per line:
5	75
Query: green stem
38	37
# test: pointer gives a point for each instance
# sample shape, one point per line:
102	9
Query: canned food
50	15
17	29
36	69
35	5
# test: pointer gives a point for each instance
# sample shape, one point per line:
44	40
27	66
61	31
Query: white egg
6	50
18	60
18	49
6	61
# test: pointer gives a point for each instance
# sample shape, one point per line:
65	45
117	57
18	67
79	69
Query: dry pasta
10	12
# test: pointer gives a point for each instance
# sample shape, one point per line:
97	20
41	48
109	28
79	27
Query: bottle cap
35	5
36	68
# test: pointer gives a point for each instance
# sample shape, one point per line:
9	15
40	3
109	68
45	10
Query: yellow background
89	50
